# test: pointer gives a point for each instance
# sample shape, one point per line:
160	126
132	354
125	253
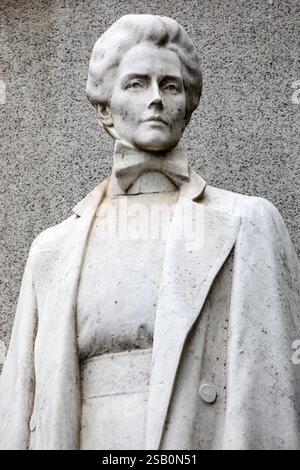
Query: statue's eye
135	85
172	87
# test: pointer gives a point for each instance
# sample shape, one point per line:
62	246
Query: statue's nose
156	98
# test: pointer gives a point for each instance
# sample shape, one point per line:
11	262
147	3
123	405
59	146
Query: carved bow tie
130	163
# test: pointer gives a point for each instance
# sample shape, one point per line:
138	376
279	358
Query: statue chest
121	274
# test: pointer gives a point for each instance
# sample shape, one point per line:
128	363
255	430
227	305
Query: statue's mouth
156	119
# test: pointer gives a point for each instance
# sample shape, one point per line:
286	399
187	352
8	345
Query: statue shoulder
226	201
240	205
51	236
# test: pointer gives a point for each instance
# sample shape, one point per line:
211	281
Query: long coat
227	316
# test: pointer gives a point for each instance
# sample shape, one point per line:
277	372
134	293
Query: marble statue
161	314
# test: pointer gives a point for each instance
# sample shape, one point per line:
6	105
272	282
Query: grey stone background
244	137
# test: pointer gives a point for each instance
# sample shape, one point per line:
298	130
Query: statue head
145	81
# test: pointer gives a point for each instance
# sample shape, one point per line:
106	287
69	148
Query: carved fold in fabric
130	163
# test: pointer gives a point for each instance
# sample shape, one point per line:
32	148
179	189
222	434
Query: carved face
148	104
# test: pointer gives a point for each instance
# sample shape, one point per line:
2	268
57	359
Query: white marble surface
121	273
227	313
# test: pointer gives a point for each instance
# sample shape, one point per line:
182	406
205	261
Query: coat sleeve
17	380
263	382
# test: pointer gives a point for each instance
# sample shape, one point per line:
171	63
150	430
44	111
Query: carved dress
117	303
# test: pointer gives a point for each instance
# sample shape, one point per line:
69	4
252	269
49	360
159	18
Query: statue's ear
104	114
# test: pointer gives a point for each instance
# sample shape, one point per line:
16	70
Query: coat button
208	393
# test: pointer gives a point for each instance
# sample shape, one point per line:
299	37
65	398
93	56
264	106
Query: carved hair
129	31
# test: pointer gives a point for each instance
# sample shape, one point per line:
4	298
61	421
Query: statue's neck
151	181
148	182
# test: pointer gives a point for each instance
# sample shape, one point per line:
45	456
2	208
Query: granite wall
244	137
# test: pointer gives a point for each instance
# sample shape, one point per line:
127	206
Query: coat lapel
194	255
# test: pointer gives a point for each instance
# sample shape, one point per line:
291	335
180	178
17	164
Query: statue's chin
152	146
155	140
155	146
